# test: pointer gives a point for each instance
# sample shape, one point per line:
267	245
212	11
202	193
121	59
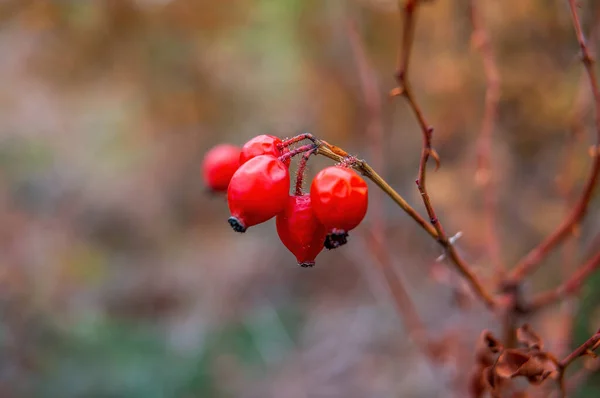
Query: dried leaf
493	381
535	371
487	347
510	361
529	338
535	367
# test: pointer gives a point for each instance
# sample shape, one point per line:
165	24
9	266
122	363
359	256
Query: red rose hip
218	166
263	145
300	231
339	199
257	192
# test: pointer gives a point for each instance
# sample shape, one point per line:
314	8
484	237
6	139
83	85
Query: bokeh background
119	276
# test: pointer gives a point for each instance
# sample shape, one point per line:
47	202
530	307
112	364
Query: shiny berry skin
257	192
263	145
339	198
218	166
300	231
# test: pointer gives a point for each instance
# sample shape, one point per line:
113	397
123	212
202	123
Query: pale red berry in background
219	165
257	192
300	231
263	145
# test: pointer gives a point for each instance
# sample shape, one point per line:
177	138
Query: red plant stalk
529	263
571	286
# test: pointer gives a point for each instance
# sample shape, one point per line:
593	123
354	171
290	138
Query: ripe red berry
300	231
257	192
263	145
339	198
218	166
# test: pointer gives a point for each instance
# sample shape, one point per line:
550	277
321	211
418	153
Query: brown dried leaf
510	361
487	346
548	363
529	338
535	367
535	371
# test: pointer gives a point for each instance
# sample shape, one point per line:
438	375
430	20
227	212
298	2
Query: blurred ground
119	276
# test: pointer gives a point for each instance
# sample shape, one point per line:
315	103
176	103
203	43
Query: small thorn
454	238
435	157
236	224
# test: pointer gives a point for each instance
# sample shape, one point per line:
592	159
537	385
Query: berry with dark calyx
263	145
218	166
300	231
340	200
258	191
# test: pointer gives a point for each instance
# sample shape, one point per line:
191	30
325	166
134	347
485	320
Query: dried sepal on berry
340	201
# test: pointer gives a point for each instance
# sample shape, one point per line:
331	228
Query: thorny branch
433	226
566	184
484	175
404	89
528	263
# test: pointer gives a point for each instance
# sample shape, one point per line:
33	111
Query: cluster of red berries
257	180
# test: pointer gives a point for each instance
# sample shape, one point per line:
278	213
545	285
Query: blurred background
119	275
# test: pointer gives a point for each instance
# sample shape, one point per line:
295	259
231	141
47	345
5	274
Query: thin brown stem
339	155
529	263
406	40
404	89
371	174
571	286
484	175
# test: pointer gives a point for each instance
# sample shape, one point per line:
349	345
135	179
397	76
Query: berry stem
298	138
297	151
302	169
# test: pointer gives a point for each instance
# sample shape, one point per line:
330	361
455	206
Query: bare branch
571	286
404	89
528	263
